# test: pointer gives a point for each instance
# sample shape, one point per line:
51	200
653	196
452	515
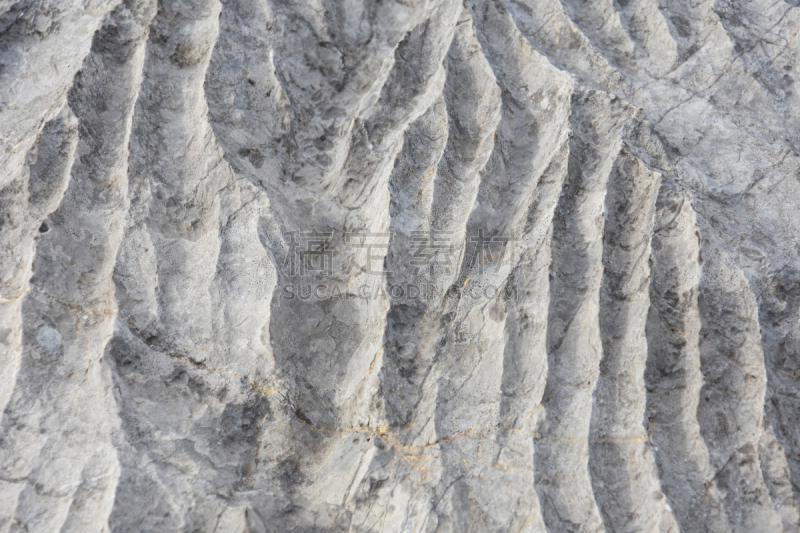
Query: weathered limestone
399	265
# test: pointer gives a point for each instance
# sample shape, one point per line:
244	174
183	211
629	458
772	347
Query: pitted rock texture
213	214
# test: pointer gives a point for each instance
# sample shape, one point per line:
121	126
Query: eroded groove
731	409
573	337
446	191
175	185
411	323
601	24
775	469
654	48
173	241
550	30
690	24
624	474
470	371
26	200
525	350
330	89
60	31
70	312
673	377
247	106
472	102
357	193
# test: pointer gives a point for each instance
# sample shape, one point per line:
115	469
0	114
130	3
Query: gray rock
429	265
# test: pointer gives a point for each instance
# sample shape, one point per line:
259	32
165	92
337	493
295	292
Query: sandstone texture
399	266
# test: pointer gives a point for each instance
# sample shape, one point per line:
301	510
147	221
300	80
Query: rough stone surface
399	265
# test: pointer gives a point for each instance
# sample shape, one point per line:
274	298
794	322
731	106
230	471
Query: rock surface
399	265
